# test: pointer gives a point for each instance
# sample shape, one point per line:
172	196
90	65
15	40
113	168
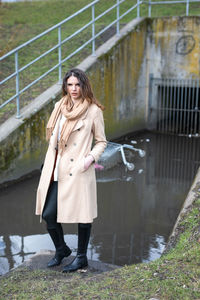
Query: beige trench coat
77	198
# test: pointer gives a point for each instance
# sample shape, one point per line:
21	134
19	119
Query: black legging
50	216
50	209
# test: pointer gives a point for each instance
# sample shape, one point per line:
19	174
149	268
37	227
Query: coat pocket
83	166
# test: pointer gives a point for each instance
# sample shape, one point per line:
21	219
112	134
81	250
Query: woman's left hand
88	161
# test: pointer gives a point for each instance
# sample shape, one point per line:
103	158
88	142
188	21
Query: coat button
72	159
70	174
65	145
79	129
74	144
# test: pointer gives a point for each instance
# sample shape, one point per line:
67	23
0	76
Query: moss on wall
115	79
23	150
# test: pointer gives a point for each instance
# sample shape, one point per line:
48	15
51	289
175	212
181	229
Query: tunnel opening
176	106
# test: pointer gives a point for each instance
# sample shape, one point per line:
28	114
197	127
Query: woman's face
73	88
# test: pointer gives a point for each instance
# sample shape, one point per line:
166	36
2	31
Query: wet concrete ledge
39	262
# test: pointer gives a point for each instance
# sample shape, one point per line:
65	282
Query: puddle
136	209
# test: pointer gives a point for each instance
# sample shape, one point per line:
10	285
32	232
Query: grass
174	276
23	20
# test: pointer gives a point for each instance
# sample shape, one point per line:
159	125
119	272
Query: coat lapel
80	122
78	125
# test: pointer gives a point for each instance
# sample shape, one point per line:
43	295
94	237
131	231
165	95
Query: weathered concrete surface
118	82
173	47
39	262
27	112
22	141
166	47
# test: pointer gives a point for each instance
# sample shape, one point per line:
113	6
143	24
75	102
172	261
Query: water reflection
137	209
15	249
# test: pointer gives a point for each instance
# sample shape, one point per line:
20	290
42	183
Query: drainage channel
137	206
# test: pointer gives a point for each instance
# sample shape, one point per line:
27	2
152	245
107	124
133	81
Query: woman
67	187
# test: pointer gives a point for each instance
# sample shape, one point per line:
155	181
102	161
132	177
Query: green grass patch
22	21
174	276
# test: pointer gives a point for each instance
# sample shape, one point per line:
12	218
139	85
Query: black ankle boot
79	262
60	254
62	250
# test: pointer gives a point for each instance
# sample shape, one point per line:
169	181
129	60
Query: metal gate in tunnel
174	105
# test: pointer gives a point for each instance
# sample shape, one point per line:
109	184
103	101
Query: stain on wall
115	80
174	47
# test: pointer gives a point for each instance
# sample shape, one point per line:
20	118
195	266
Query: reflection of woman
67	187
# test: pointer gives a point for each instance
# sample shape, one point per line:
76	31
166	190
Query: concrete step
39	262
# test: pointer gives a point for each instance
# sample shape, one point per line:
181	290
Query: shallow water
136	209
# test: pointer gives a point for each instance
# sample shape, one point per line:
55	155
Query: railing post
187	7
93	30
59	56
138	8
117	17
149	9
17	84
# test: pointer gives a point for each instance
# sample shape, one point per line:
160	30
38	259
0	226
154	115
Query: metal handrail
61	42
49	30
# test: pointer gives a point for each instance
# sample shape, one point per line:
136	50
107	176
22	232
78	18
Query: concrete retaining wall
118	81
120	76
173	47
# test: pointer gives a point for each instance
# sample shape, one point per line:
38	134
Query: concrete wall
173	47
166	47
23	150
118	81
